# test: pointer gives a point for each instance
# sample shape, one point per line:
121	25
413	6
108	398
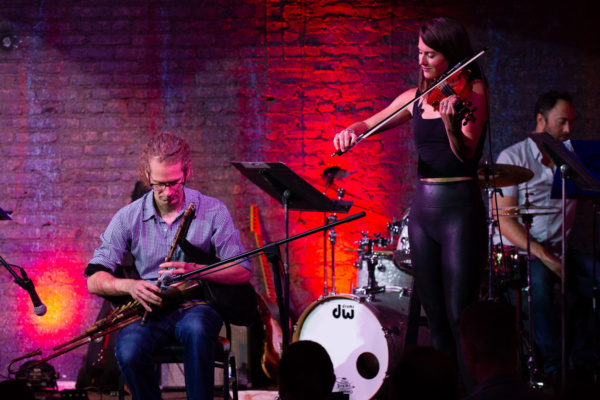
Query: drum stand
527	220
492	224
371	258
332	239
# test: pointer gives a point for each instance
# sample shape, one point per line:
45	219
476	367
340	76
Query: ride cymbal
504	174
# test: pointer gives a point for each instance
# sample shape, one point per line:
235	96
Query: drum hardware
327	183
491	178
384	272
293	193
393	331
366	254
507	266
502	175
332	235
402	254
527	211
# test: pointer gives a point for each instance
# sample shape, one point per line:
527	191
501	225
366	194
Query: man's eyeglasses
160	186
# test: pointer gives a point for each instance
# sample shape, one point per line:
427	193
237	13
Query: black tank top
436	159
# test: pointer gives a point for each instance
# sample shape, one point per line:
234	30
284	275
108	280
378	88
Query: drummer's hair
548	100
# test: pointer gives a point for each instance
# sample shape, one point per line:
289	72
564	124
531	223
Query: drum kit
363	331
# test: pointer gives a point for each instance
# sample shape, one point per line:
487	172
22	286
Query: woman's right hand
345	139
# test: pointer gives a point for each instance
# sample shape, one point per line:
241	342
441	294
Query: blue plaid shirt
138	228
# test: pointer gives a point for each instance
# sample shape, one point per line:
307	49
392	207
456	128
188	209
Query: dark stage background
244	80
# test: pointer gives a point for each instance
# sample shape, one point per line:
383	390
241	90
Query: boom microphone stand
271	251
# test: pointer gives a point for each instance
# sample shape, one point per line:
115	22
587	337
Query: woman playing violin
447	228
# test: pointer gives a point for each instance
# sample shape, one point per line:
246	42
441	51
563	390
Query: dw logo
337	312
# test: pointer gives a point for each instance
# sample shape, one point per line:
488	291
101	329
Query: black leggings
448	247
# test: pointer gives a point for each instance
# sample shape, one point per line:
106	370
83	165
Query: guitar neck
267	275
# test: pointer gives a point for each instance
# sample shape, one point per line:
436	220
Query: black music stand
571	168
294	193
4	215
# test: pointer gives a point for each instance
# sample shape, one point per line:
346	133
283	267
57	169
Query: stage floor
169	395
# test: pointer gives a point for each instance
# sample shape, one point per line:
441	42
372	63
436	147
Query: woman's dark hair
449	37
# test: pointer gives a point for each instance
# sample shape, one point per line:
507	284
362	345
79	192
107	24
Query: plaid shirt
138	229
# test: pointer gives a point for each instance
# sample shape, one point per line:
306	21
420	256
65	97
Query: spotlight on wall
8	41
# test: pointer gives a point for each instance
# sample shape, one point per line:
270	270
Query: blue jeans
196	328
547	318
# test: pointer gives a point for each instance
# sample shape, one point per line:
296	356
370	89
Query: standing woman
447	225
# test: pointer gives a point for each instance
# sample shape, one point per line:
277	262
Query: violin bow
443	78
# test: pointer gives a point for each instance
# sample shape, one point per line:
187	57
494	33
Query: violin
457	84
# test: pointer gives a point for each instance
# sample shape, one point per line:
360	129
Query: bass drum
362	337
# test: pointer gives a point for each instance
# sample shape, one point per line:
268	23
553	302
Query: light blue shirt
545	228
139	229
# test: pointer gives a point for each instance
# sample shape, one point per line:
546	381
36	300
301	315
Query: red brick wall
245	80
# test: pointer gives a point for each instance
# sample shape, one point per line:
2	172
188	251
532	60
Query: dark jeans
547	317
197	328
448	244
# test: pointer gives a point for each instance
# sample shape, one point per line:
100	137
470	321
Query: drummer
554	113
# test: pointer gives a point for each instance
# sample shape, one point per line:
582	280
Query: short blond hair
168	148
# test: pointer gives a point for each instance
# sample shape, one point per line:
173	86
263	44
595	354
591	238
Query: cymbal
505	174
527	210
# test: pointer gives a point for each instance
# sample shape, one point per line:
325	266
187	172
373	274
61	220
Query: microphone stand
24	282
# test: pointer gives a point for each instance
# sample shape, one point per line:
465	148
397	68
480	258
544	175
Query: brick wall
243	80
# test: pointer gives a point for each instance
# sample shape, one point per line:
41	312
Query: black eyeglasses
160	186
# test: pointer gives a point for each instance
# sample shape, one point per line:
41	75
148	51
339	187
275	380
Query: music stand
294	193
570	167
4	215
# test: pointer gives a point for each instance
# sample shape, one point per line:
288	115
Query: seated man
147	228
554	113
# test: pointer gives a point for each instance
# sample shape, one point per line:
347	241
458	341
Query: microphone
39	308
165	280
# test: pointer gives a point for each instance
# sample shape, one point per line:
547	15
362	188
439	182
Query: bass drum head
354	334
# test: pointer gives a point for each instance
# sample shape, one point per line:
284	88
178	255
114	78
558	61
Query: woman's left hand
448	113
